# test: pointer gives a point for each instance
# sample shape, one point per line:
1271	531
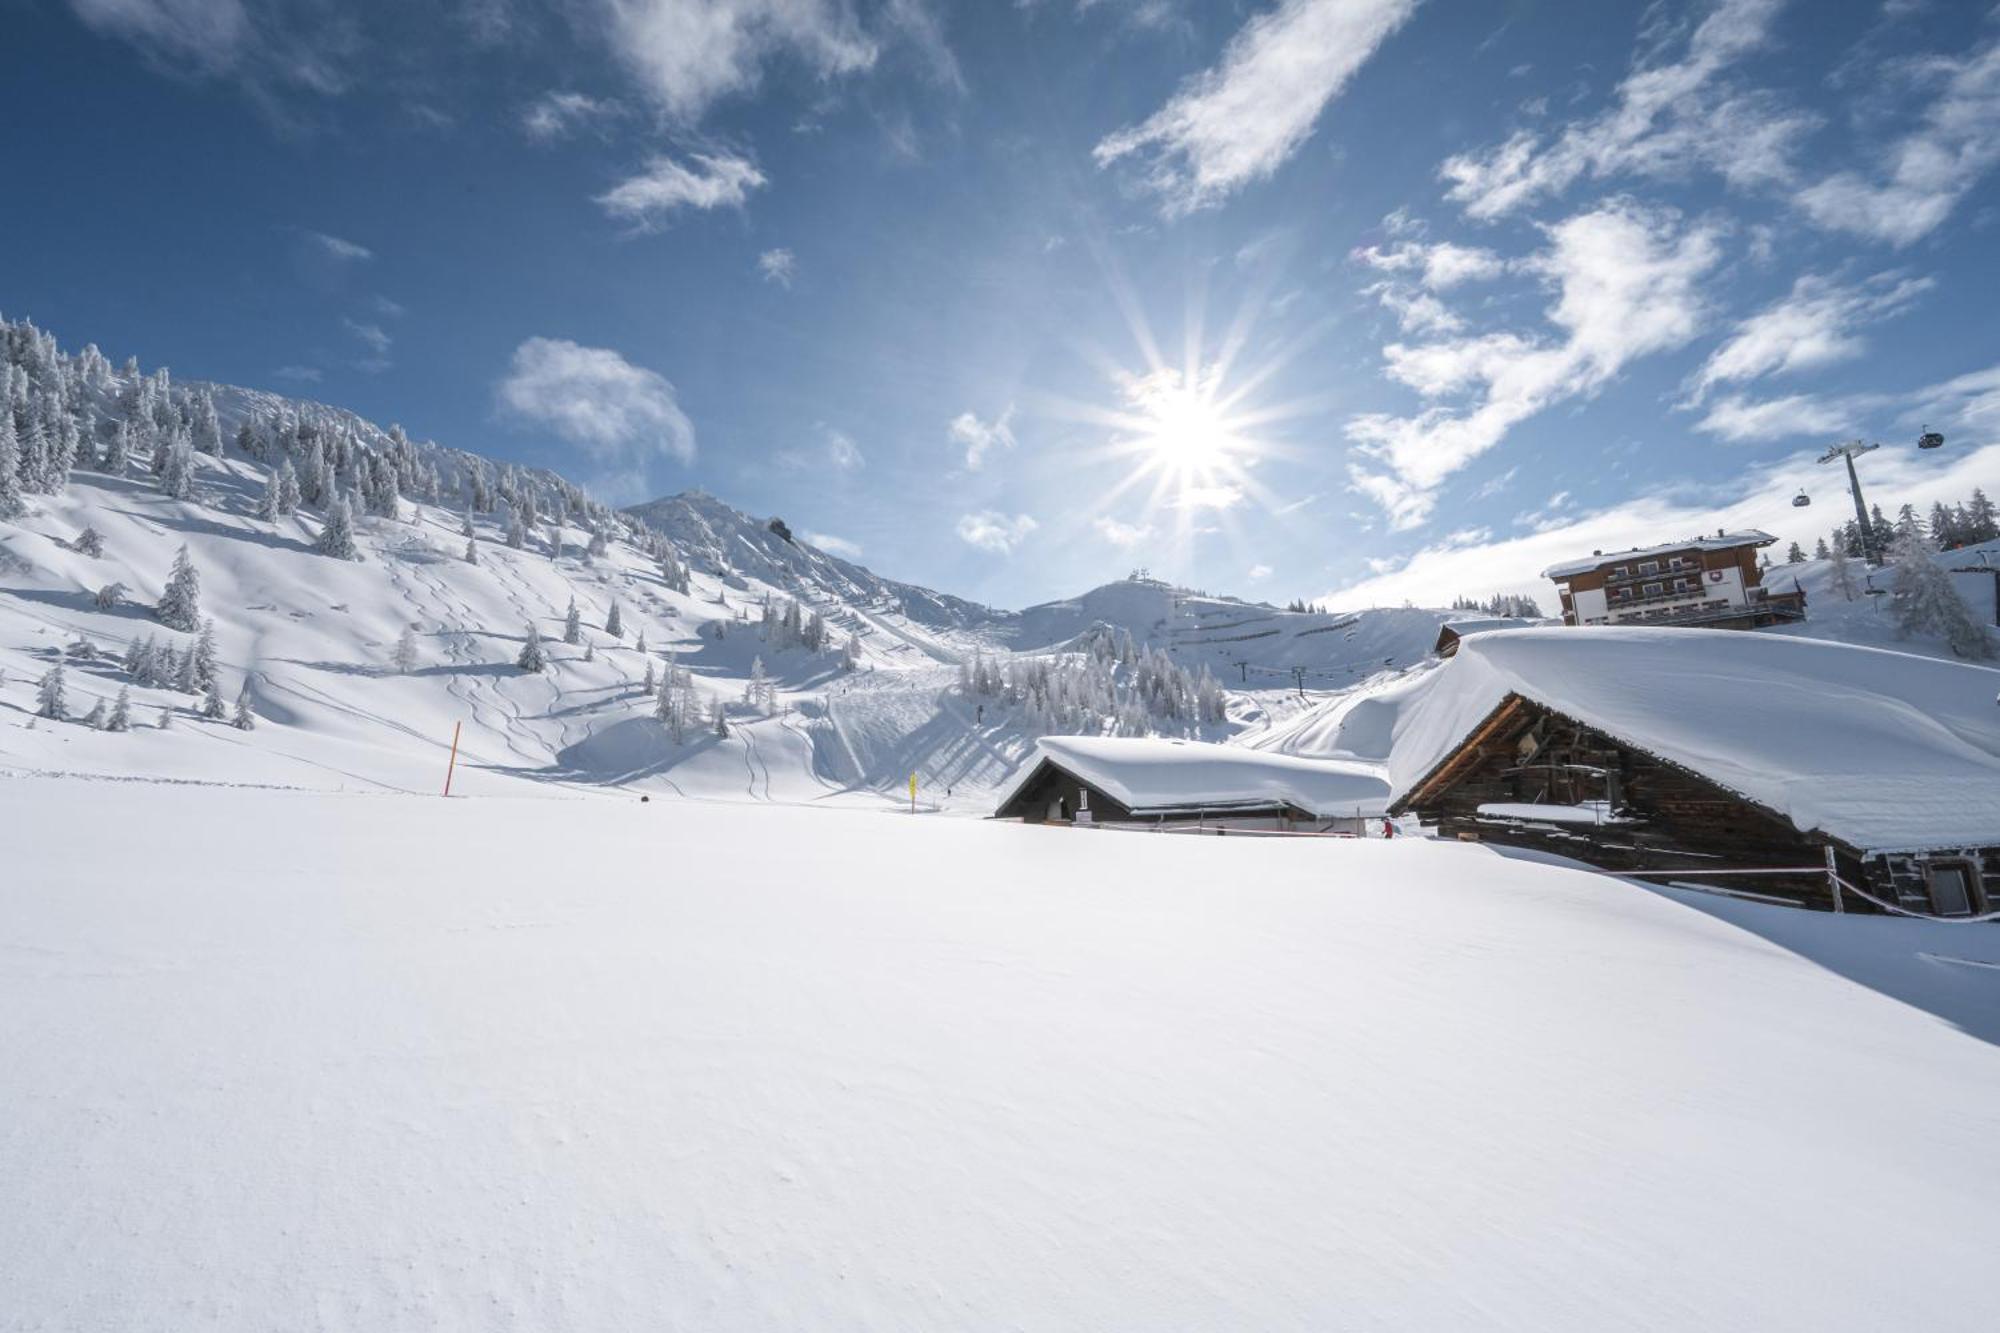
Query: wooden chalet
1175	783
1630	759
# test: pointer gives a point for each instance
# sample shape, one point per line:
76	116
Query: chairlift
1930	439
1801	500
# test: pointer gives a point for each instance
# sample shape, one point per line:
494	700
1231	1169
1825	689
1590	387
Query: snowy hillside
360	595
587	1064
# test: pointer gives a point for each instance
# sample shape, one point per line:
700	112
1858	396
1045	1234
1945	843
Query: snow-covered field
288	1060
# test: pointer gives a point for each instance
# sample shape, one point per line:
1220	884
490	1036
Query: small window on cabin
1951	888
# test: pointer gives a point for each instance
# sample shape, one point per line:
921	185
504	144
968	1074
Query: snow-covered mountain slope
460	556
1248	645
309	1061
724	541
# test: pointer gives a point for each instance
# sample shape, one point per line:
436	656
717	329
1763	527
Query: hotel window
1652	590
1649	567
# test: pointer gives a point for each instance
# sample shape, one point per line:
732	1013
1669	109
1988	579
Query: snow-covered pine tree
1795	554
573	624
177	478
11	504
288	487
118	449
465	529
180	604
1927	603
94	719
186	679
1843	575
590	652
267	506
651	680
121	711
50	699
212	707
405	653
533	656
336	539
1820	552
89	542
245	718
613	623
719	716
471	551
204	655
517	532
640	646
207	428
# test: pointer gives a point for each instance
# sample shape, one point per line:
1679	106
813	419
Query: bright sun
1181	431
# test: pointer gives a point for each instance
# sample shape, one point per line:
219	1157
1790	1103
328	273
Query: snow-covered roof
1723	541
1151	775
1882	750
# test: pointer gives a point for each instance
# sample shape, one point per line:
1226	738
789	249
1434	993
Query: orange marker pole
453	765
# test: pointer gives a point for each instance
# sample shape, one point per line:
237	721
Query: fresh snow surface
1883	750
311	1061
1149	774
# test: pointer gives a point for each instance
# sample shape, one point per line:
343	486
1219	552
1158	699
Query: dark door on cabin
1952	892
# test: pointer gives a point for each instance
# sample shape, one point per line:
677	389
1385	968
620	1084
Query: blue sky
1357	299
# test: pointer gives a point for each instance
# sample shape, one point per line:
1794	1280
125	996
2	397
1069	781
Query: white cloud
991	530
843	452
1815	325
621	415
557	115
1667	117
1737	418
333	247
1925	173
1757	498
1258	573
1241	120
210	33
1438	266
1965	403
299	374
264	46
979	438
1121	534
833	545
779	266
689	55
1625	278
376	339
373	336
705	180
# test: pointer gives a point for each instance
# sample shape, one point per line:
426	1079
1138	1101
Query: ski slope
283	1060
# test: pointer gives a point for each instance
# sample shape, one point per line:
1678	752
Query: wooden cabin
1619	751
1177	783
